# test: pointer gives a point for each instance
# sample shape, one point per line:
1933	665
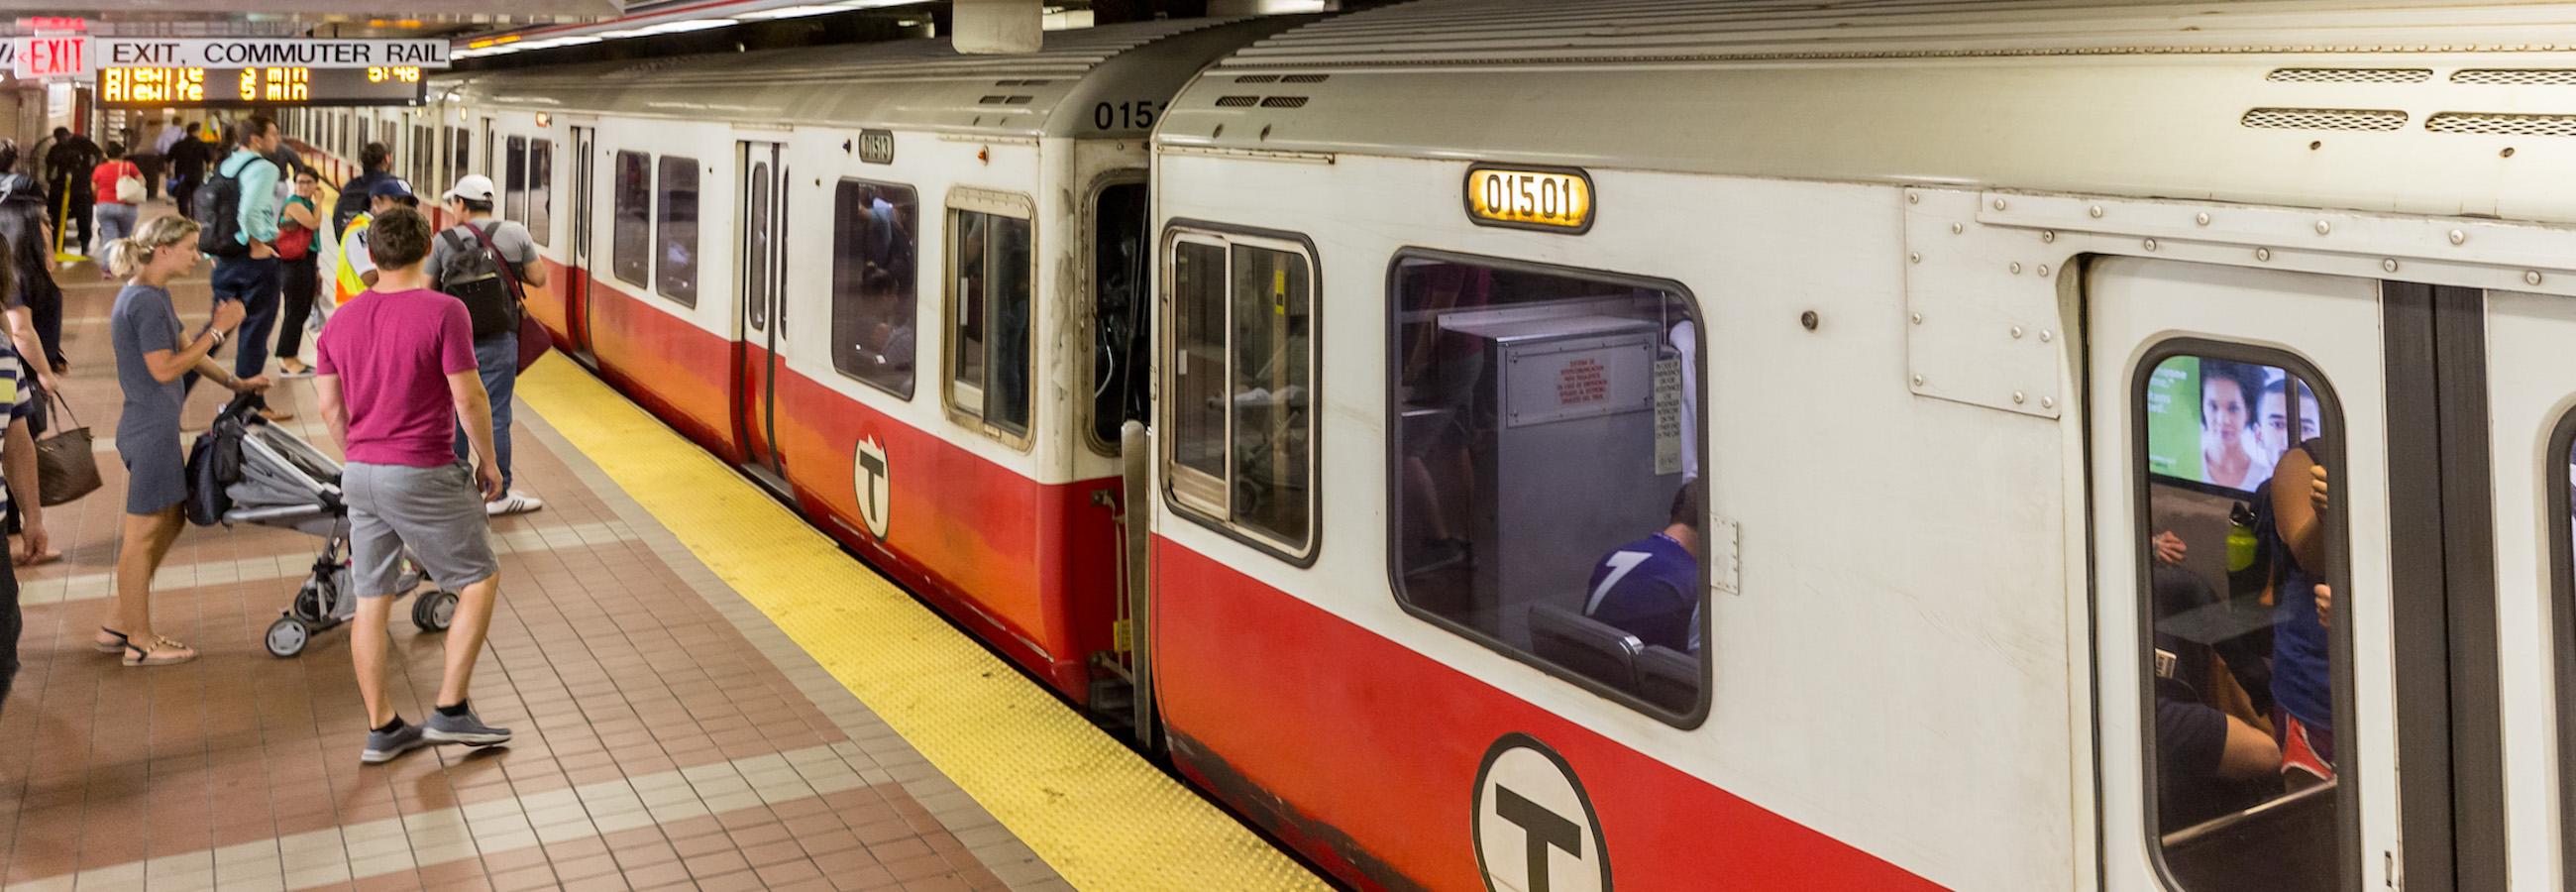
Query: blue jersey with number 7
1648	588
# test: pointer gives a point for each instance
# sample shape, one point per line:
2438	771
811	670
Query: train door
2531	408
762	220
578	294
2295	593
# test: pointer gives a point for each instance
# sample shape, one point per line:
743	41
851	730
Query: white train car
1954	309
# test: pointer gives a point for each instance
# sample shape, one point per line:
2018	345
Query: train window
541	190
875	285
630	236
514	181
988	318
1242	445
2561	499
1121	336
676	263
1542	442
2237	662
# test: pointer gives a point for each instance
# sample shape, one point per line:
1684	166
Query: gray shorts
435	511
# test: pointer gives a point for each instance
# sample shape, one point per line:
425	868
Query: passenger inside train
1539	431
1648	588
2239	659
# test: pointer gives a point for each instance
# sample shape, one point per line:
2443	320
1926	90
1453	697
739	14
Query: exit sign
43	57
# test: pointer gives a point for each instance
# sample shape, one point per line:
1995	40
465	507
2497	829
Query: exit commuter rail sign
263	52
82	55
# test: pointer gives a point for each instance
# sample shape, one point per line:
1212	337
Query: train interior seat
1597	650
1668	678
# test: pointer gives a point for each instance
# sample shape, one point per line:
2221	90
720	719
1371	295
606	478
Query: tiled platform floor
668	735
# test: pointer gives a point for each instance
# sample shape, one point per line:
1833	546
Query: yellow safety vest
350	284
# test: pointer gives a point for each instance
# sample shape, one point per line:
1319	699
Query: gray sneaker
467	729
383	746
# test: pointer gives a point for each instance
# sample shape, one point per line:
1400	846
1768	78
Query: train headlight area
1521	445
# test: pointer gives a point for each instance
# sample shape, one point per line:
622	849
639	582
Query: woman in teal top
296	224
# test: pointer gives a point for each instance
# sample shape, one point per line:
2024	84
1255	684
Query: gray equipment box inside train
1569	415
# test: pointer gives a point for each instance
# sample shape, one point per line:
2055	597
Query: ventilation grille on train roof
2516	77
1281	78
1257	79
1284	102
2374	120
1237	101
2499	124
1004	100
2350	75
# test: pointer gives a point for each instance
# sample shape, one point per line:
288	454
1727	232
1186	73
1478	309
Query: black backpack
219	211
475	274
214	465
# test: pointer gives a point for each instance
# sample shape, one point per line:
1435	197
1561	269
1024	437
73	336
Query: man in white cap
488	264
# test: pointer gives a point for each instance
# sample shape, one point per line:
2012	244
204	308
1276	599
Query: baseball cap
391	187
471	187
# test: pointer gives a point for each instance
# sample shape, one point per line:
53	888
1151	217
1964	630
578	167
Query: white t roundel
1535	829
874	488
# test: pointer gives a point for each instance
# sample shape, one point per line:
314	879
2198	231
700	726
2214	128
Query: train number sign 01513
1553	199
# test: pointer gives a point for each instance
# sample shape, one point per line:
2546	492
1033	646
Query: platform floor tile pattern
668	735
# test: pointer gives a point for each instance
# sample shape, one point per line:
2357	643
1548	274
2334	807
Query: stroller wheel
287	636
434	611
311	602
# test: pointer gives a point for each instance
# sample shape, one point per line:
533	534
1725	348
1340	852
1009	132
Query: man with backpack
487	264
239	209
377	163
188	156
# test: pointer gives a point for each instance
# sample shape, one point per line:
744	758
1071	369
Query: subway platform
706	694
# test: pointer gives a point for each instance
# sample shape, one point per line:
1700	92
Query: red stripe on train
1029	567
1342	734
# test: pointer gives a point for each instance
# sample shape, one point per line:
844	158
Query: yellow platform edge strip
1093	809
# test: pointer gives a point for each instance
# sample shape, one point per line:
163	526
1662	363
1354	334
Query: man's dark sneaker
383	746
465	728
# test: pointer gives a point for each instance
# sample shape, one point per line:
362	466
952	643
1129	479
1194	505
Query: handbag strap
54	400
517	293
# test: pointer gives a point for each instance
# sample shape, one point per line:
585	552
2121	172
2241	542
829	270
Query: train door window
875	283
422	151
458	148
1121	343
541	190
676	260
514	181
1242	448
989	307
757	233
2237	660
1544	463
630	237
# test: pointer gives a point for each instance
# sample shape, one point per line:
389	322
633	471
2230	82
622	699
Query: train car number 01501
1558	200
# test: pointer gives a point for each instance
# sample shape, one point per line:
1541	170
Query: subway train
1664	445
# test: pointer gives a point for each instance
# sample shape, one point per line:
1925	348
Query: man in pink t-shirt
395	371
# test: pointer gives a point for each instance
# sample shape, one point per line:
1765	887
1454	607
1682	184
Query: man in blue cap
358	267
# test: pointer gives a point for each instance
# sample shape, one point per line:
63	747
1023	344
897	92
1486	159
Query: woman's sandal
164	652
109	641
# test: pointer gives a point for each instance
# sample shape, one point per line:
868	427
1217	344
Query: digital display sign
193	87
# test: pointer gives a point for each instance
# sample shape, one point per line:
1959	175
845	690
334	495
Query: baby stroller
245	470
